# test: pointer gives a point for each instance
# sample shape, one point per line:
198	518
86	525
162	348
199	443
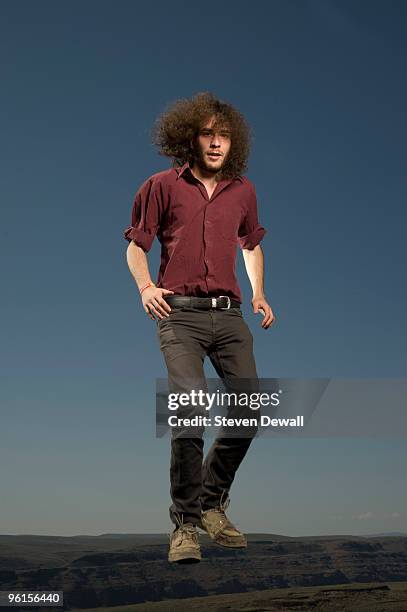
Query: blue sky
322	84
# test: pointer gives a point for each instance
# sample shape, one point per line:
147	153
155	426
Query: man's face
213	146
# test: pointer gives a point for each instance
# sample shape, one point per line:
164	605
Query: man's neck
209	178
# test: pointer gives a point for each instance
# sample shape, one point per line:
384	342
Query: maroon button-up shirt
198	235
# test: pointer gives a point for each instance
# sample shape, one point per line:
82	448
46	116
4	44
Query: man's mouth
214	155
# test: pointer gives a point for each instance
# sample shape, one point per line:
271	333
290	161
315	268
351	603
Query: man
200	210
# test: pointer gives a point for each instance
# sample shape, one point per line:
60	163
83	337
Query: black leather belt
222	302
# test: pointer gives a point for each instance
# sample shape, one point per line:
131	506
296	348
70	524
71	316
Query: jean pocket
174	311
235	311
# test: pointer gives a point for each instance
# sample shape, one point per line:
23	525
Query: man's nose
215	142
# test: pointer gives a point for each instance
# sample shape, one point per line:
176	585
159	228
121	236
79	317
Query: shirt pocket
230	219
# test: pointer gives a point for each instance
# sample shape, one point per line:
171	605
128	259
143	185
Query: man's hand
260	305
154	302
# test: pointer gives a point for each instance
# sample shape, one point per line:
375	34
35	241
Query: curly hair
180	123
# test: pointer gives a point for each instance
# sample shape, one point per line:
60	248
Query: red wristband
149	284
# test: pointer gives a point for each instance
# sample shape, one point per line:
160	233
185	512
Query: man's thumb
167	291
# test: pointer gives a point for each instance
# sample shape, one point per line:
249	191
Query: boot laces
185	530
224	501
221	508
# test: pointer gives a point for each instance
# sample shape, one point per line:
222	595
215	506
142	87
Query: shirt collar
186	168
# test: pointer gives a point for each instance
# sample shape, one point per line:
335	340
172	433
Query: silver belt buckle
225	307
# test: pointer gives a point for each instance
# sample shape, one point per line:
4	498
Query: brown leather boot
220	529
184	545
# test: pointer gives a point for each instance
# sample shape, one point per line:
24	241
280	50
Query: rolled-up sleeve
145	215
250	231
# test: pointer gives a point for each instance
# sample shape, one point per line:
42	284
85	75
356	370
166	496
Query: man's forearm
138	265
254	262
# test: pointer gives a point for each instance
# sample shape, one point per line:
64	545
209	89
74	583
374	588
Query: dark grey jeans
186	337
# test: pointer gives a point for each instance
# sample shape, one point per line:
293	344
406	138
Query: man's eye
222	134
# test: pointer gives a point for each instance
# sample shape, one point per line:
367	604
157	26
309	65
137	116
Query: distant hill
122	569
387	534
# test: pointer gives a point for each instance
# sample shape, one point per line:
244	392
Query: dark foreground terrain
350	598
350	573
